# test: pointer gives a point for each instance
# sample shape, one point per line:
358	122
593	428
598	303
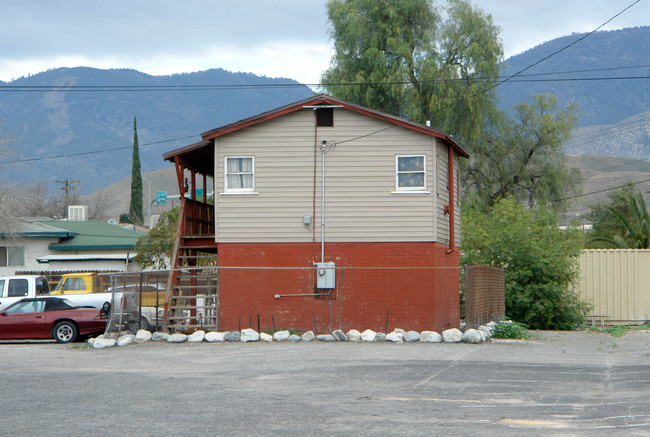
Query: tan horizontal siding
358	207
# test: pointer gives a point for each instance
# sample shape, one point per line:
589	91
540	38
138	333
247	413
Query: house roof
37	229
110	257
93	235
196	155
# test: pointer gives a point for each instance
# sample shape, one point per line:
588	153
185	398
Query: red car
50	317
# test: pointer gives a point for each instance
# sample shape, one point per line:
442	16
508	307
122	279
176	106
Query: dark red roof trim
316	100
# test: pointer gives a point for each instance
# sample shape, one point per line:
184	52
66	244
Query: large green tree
540	262
522	156
403	58
135	209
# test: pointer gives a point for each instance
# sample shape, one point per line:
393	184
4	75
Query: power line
102	88
220	87
569	45
93	152
596	192
610	128
537	62
157	88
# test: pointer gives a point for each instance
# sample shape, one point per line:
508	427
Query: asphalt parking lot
559	383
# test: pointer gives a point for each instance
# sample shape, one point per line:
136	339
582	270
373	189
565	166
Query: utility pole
68	187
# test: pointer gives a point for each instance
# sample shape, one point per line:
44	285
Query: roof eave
312	101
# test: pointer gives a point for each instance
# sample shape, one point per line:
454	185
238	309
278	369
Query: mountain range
76	124
605	74
60	119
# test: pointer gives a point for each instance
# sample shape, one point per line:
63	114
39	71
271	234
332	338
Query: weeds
618	331
510	329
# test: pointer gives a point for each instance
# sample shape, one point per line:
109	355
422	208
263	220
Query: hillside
65	121
614	108
614	55
602	172
628	138
116	197
51	124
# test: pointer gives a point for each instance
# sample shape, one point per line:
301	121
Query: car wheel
65	332
144	324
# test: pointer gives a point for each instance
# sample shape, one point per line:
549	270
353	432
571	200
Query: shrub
510	329
540	262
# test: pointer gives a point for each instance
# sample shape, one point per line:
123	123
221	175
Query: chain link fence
137	300
484	295
274	298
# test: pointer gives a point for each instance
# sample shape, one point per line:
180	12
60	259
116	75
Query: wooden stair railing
191	294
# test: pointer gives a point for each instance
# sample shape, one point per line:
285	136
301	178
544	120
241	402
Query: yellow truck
75	283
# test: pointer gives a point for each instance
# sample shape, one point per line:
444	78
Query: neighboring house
55	246
390	198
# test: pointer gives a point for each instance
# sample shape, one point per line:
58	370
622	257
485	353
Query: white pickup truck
14	288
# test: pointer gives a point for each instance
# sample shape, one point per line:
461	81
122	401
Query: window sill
239	193
411	192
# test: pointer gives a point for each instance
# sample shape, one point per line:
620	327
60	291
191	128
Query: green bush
540	262
510	329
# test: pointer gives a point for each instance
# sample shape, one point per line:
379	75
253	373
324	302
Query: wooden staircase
192	289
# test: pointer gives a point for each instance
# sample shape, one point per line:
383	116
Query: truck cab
78	283
14	288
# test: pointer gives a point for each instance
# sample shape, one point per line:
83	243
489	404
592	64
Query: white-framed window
410	173
12	256
239	174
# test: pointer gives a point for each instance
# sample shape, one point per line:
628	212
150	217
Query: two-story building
329	186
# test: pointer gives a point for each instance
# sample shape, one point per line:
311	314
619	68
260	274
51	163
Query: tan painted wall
358	207
617	283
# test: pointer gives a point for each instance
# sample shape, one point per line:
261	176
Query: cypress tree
135	209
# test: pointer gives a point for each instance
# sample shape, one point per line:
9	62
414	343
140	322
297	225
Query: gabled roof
94	235
199	160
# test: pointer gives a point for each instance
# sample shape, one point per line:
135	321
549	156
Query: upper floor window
240	174
410	173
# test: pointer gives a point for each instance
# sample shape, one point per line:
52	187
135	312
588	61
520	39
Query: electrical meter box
325	275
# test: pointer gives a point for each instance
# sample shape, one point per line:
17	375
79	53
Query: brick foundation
418	298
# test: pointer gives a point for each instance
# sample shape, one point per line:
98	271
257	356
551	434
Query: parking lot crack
444	369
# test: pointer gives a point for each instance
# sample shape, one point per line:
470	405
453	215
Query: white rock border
470	336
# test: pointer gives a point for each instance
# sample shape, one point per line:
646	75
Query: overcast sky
276	38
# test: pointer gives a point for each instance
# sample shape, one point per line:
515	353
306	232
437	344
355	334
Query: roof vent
77	213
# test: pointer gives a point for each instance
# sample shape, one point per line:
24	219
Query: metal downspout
450	181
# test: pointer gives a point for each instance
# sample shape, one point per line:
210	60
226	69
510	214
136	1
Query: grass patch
617	331
81	346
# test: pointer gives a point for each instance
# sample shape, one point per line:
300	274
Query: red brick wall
418	298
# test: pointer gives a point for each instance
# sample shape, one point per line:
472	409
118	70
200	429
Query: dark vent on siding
325	117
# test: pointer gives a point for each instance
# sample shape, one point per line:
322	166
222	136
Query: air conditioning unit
77	213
